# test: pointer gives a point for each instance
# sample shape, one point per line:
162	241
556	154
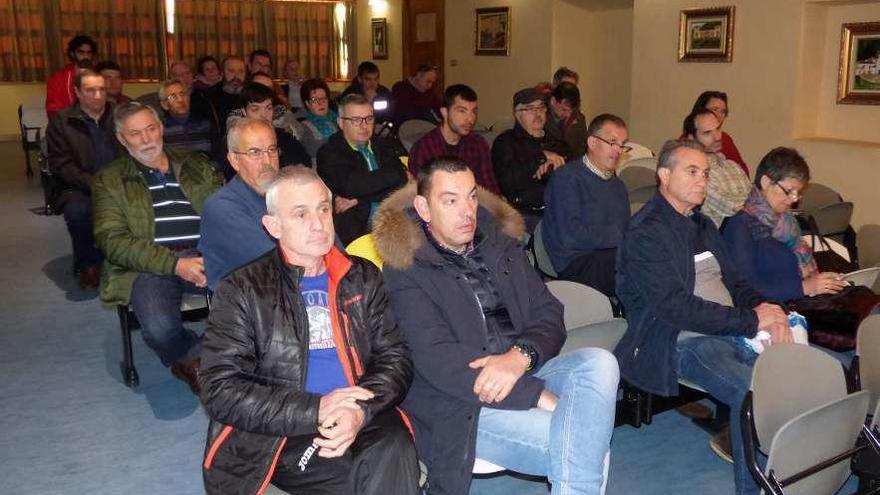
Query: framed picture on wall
380	39
859	79
492	31
706	35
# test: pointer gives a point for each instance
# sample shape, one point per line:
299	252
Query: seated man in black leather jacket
303	364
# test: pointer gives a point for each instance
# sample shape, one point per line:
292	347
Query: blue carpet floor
70	426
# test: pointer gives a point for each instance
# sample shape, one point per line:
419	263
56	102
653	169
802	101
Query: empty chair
648	162
32	122
868	354
636	177
588	316
542	259
412	130
502	125
364	247
868	242
637	151
867	276
833	219
641	195
816	196
811	439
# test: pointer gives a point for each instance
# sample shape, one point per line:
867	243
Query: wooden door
423	31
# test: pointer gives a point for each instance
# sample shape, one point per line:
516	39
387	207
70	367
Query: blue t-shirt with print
324	373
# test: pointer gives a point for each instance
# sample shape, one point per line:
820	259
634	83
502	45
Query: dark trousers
381	461
77	211
595	270
156	300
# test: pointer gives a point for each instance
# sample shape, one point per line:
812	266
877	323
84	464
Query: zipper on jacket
209	459
271	471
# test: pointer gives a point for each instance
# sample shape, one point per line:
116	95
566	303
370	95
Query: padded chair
364	247
542	259
635	207
868	243
502	125
789	380
833	219
412	130
32	122
636	177
641	195
868	359
193	307
638	151
589	319
817	195
647	162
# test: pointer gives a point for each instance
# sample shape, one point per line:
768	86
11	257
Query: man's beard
233	90
146	157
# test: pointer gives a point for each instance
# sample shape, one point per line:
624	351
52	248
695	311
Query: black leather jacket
255	354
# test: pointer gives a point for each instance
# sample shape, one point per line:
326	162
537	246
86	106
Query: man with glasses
232	232
147	206
80	143
587	208
525	156
360	170
728	185
186	129
259	103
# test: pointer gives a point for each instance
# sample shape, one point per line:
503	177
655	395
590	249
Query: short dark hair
462	91
705	96
77	80
78	41
367	67
602	119
259	52
782	163
450	164
107	65
426	68
567	92
665	159
690	122
256	93
305	91
204	59
227	60
564	72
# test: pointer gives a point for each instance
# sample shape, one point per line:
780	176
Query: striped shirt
177	223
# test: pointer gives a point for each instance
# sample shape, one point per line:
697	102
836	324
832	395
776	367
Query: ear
444	112
591	142
663	174
119	138
765	182
272	225
164	104
421	205
233	159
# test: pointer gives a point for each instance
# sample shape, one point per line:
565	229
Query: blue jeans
724	369
155	300
77	211
569	445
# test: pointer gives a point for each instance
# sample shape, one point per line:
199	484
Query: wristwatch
528	352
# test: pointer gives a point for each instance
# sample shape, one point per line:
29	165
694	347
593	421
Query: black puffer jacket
254	361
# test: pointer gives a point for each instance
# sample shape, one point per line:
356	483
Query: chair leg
27	160
129	373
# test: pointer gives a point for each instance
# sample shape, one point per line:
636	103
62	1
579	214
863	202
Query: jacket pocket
212	452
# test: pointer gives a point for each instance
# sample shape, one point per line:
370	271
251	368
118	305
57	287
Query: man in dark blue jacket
684	300
485	335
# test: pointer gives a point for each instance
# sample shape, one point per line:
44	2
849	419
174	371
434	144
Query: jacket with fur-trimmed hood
443	322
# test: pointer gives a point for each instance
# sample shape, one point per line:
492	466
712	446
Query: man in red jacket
81	50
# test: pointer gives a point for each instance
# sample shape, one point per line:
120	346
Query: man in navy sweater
232	229
587	207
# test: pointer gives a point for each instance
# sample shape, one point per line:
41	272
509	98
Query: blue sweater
584	213
766	264
232	231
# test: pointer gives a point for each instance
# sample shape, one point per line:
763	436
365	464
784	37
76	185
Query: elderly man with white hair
303	363
146	207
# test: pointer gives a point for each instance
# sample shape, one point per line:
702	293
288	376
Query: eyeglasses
360	120
256	153
624	148
315	101
792	195
176	96
534	108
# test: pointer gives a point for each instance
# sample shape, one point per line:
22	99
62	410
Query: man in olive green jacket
147	208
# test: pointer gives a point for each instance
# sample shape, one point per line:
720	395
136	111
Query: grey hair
164	85
667	159
123	112
240	124
298	175
351	99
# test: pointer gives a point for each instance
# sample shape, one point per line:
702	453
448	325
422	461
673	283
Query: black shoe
720	444
188	372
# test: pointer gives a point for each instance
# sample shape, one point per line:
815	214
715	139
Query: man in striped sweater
147	207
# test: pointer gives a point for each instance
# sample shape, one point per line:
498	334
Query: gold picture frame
492	31
706	35
858	81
